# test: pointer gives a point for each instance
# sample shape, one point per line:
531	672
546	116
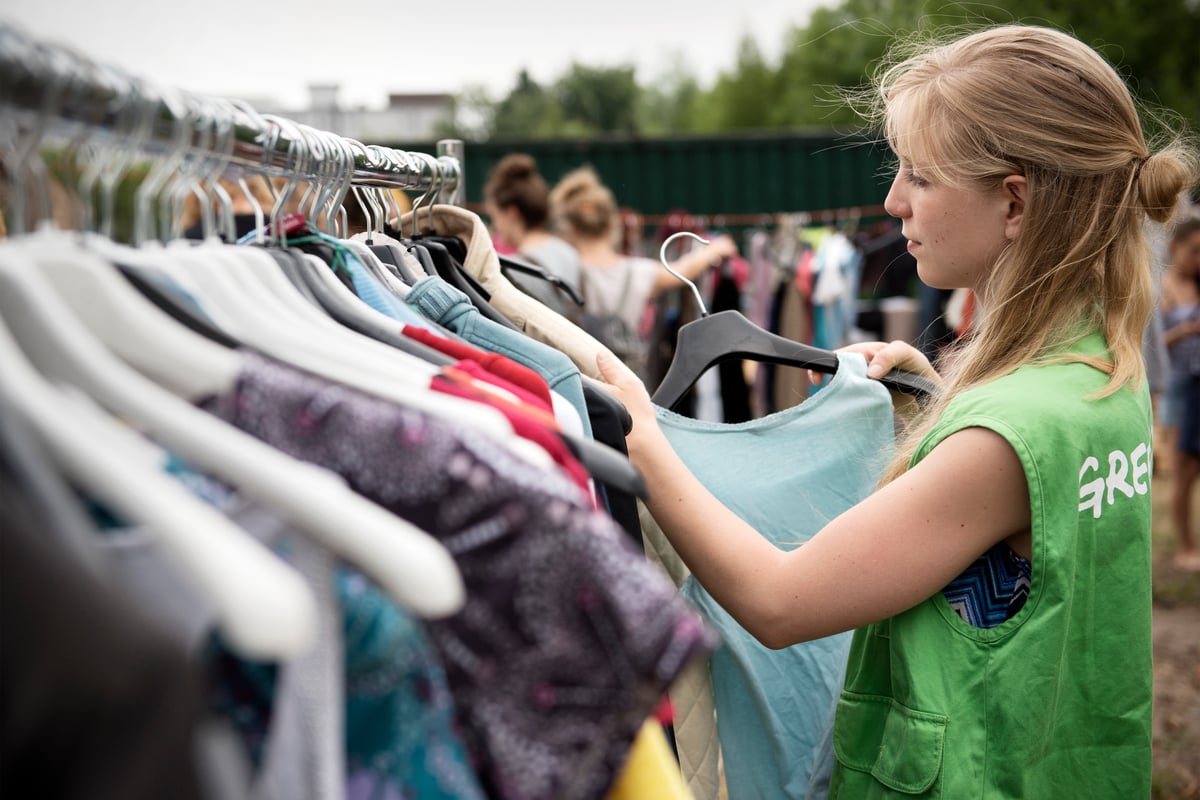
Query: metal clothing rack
44	85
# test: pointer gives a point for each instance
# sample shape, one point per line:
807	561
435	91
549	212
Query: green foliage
472	116
671	102
599	99
529	111
1154	46
741	99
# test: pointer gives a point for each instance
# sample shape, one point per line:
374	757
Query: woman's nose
895	202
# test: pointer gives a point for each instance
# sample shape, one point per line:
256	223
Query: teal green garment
1056	701
787	475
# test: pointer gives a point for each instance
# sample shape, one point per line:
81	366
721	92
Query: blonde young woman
1024	176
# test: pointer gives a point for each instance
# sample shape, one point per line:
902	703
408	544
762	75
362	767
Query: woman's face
955	234
1185	254
504	222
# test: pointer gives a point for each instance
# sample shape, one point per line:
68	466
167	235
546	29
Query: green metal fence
735	178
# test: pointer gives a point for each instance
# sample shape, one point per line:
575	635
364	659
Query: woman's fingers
883	357
615	372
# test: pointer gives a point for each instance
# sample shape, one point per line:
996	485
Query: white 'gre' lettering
1121	469
1091	493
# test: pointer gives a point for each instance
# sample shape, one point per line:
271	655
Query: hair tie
1137	169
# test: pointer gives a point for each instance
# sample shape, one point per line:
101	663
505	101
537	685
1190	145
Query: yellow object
651	772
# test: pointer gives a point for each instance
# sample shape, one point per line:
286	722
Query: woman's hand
623	384
721	248
883	357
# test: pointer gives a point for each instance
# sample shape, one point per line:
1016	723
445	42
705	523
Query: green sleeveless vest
1055	702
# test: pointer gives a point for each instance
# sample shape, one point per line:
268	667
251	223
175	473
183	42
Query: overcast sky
373	47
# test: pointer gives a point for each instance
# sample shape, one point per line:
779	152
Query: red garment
740	269
499	365
529	404
458	383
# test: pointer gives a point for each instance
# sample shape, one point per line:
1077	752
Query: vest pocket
899	747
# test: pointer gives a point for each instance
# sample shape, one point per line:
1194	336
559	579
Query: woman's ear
1015	188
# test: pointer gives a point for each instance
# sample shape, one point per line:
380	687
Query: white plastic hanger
230	282
337	354
409	564
264	609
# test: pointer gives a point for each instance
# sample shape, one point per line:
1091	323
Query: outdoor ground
1176	661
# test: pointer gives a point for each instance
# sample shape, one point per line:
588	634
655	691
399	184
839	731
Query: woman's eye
915	179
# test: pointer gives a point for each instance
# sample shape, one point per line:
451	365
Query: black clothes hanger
525	268
607	465
456	246
423	258
727	335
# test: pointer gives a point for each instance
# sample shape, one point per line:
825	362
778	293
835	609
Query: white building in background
406	118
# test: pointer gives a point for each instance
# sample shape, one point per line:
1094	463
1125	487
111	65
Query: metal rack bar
49	85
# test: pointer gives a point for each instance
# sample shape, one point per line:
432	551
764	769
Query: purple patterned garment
569	636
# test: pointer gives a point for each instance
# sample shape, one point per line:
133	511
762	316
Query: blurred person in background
1181	404
617	289
517	199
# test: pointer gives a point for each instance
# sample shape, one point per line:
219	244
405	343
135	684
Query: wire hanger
729	335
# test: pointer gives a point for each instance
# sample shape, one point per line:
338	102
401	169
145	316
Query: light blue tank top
787	475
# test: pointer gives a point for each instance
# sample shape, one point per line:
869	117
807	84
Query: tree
742	98
671	102
599	99
529	111
1153	46
471	117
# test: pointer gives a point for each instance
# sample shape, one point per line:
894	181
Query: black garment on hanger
456	246
608	428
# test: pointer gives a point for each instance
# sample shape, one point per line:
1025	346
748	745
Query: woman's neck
533	238
597	252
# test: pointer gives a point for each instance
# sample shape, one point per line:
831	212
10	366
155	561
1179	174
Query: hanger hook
425	162
163	168
377	159
662	257
401	163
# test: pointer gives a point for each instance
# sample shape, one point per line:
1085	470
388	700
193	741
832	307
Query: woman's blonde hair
1022	100
584	203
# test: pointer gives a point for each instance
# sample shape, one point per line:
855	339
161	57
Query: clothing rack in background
47	88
